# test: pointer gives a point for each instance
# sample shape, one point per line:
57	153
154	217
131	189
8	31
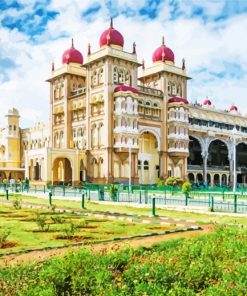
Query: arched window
100	134
146	165
169	87
101	72
174	89
115	76
121	76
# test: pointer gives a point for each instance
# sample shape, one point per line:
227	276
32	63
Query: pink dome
233	108
163	53
207	102
72	55
178	100
111	37
126	88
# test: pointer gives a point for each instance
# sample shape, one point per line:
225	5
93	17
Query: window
139	165
174	89
101	80
121	77
115	76
146	165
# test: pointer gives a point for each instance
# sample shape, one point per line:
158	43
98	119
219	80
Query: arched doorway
224	180
36	171
208	179
241	163
62	171
148	158
218	155
216	180
195	150
191	178
199	179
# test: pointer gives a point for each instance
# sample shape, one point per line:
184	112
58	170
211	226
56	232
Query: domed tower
12	138
67	97
178	134
111	81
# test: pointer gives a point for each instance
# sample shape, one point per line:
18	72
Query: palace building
111	118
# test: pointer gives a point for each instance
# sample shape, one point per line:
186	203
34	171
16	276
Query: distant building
102	111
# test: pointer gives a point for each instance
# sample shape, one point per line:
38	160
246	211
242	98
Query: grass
94	206
26	234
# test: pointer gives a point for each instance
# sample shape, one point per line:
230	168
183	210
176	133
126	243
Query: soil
75	238
10	260
8	245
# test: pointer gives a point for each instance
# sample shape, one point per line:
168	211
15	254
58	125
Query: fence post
186	198
7	193
146	196
44	188
209	200
140	197
83	200
63	190
212	204
153	207
50	197
235	203
89	197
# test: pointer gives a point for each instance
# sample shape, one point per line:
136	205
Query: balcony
150	91
79	91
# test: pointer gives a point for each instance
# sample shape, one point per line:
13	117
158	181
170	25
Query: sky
210	35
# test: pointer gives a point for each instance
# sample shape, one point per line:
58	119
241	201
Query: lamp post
130	165
234	138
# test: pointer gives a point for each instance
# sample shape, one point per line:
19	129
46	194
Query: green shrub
186	187
41	221
56	219
173	181
17	203
160	183
69	230
113	190
4	234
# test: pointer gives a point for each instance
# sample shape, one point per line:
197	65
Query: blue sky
209	34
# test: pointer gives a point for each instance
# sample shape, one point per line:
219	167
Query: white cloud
204	45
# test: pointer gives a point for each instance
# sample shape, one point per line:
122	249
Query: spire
134	48
143	64
111	23
72	42
89	49
53	66
163	40
183	64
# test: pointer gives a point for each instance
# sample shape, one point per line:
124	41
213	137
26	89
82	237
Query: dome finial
72	42
143	64
163	40
52	66
134	48
111	23
89	49
183	64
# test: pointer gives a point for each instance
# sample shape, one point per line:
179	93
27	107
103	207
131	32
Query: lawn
29	228
213	264
94	206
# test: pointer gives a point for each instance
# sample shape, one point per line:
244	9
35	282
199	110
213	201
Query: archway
195	150
36	171
218	155
199	179
191	178
241	162
216	180
62	171
148	158
208	179
224	180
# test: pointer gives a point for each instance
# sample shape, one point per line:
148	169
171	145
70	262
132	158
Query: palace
111	118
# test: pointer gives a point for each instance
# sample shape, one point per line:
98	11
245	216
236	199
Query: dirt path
11	260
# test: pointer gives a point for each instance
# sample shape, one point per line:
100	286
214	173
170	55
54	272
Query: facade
113	119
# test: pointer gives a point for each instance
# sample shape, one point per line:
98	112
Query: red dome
126	88
178	100
111	37
72	55
207	102
163	53
233	108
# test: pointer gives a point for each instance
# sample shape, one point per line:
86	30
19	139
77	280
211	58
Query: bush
113	190
186	187
17	204
4	234
160	183
69	230
41	221
173	181
57	219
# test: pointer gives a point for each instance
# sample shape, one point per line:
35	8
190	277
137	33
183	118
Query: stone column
205	160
